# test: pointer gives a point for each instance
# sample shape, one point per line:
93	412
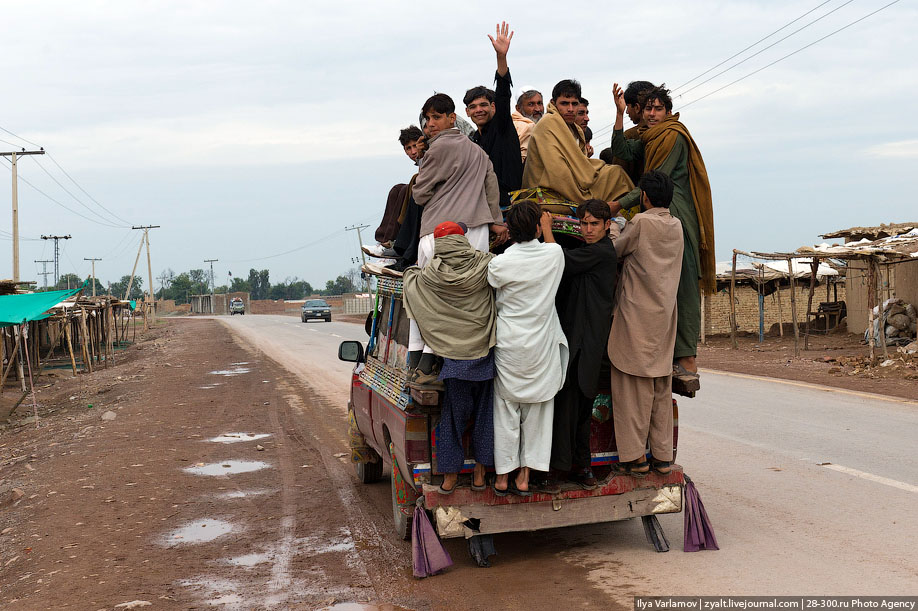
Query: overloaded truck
392	429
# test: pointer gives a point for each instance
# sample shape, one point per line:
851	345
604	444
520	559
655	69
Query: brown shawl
659	141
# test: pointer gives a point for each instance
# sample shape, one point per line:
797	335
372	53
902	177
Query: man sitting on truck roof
455	183
453	305
584	305
531	352
557	160
490	111
529	109
644	330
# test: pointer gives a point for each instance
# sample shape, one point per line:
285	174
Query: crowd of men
516	340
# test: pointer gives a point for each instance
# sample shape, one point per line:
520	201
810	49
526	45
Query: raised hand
618	94
503	37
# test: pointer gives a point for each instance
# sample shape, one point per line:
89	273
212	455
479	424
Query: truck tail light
416	444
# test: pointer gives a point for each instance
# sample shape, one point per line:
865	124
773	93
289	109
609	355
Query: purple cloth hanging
427	552
699	534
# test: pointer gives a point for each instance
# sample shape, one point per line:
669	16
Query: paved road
811	490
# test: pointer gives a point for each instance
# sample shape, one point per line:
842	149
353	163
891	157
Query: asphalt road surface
812	491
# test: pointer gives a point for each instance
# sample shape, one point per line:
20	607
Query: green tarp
16	308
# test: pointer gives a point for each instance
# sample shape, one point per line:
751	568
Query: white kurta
530	356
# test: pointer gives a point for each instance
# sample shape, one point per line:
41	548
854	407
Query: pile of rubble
899	323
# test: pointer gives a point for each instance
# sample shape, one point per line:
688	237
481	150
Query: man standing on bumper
454	308
584	306
644	330
531	353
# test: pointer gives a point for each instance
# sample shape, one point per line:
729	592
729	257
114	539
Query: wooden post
733	302
880	310
704	299
84	341
67	334
14	353
814	266
793	306
871	303
17	331
780	309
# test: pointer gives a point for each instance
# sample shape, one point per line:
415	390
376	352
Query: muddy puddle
242	494
235	371
249	560
237	437
363	607
227	467
199	531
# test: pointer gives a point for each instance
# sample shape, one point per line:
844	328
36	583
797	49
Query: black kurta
584	304
500	141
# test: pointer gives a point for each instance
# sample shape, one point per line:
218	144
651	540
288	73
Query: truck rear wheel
401	492
370	472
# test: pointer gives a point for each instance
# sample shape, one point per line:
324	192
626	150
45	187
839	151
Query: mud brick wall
717	307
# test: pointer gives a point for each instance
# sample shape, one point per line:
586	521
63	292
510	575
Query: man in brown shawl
454	307
557	154
668	146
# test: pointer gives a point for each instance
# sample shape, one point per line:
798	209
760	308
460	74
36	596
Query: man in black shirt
490	112
584	304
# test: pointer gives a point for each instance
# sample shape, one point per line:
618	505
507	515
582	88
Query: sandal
500	492
514	490
633	468
663	467
445	492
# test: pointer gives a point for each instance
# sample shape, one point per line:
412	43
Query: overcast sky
249	130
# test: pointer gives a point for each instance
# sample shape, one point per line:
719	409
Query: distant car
316	308
236	306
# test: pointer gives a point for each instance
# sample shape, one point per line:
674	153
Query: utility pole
44	270
162	284
56	238
93	274
13	155
212	287
362	255
146	235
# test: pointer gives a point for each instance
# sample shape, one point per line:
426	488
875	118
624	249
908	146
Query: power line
292	250
3	129
760	51
818	40
64	206
66	190
54	161
752	45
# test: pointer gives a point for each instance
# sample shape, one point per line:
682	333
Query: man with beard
666	145
583	120
490	112
557	158
529	109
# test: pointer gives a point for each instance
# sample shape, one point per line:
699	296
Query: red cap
448	228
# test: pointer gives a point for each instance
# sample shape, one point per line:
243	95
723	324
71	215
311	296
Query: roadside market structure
892	246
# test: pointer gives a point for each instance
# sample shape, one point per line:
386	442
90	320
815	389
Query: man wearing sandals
644	330
531	353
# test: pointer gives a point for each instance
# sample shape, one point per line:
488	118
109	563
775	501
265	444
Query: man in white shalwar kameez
531	352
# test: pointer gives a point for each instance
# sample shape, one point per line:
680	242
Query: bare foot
449	481
501	482
688	362
478	475
522	480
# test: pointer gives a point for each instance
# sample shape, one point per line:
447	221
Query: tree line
181	287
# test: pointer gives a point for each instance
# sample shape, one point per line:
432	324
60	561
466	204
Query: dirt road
172	501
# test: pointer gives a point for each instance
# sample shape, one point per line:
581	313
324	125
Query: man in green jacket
666	145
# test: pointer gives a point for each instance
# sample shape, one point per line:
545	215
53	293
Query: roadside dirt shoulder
836	360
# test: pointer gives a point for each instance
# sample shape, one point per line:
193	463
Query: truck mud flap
655	535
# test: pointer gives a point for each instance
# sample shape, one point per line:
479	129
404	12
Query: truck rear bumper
618	498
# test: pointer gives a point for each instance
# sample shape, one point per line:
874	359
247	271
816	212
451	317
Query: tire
328	319
304	318
401	521
370	472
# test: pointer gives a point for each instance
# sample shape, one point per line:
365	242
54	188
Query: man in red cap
454	308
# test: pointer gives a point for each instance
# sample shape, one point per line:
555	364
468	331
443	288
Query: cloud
903	149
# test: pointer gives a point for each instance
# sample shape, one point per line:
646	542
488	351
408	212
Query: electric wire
760	51
23	179
292	250
67	174
66	190
3	129
818	40
752	45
